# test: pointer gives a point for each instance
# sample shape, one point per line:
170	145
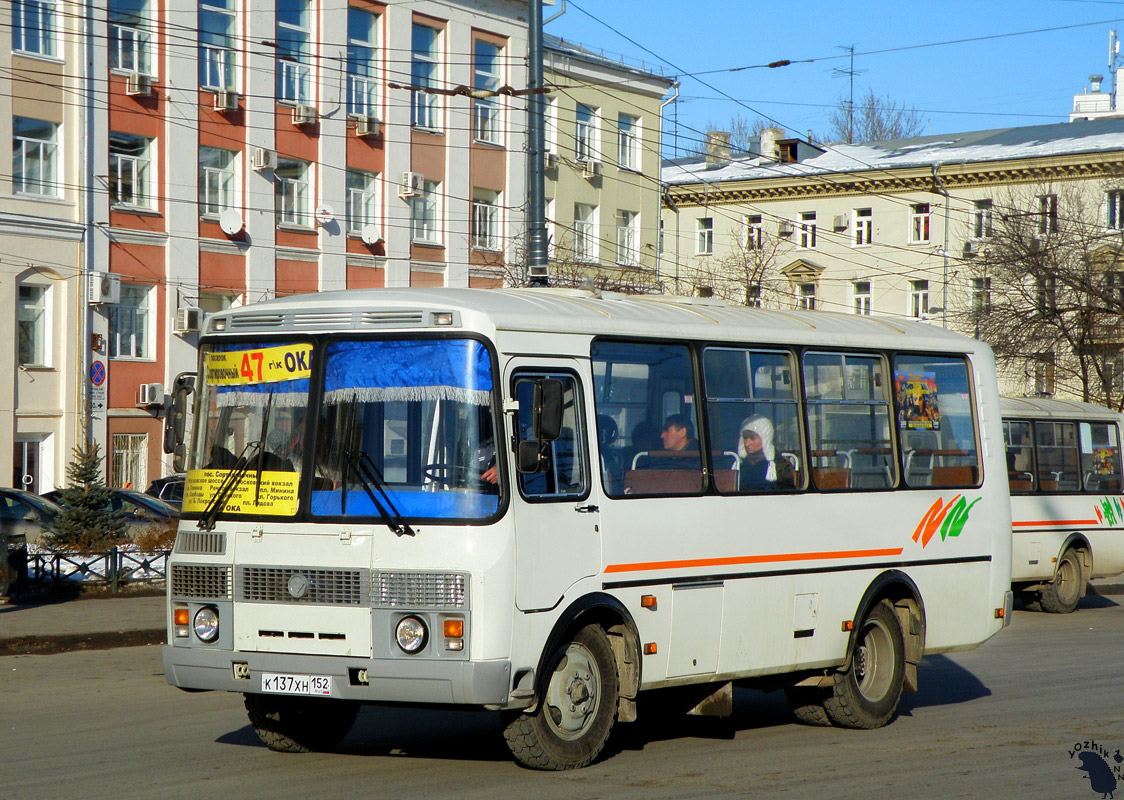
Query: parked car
27	515
141	512
169	489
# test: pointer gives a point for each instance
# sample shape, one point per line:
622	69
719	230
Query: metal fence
113	567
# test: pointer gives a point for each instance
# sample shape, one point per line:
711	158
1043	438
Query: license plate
296	684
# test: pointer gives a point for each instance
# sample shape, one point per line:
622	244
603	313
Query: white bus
1064	467
545	502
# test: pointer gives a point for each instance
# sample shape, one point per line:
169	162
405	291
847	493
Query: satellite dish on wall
324	215
231	222
370	234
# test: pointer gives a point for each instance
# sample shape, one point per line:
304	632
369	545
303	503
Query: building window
34	157
34	27
919	223
218	45
215	302
29	454
704	240
32	330
1044	374
362	67
585	232
1115	202
550	227
129	467
753	295
628	142
860	298
981	295
425	111
981	219
130	41
485	219
550	123
1114	372
585	135
362	199
128	323
130	168
808	230
754	232
864	226
919	299
628	238
1046	294
806	296
217	180
486	120
1047	214
424	213
294	51
291	192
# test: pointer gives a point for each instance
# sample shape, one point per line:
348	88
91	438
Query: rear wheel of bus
300	724
866	694
1061	595
577	710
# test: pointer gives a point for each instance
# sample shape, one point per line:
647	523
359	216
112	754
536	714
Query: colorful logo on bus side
948	519
1113	512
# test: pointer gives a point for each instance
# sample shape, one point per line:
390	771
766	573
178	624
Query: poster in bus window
917	400
1104	460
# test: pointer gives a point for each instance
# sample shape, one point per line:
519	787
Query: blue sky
1001	82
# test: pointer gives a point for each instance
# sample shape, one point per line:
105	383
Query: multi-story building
912	228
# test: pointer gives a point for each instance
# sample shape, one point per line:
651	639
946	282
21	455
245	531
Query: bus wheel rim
574	693
874	661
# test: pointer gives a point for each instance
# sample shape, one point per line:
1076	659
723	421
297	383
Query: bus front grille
204	581
334	587
201	543
419	589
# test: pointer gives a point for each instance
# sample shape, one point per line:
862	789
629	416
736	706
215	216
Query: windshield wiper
261	438
372	481
226	488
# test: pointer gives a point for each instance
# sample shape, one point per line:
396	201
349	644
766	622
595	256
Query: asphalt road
996	722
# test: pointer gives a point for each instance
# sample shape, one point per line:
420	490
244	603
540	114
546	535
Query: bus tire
578	708
866	694
1062	594
300	724
1032	601
807	705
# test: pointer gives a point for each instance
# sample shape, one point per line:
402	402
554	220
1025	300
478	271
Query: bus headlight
206	624
411	634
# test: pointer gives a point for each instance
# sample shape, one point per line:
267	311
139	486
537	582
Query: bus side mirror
547	421
175	428
179	458
528	457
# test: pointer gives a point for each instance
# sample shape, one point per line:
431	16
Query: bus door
556	509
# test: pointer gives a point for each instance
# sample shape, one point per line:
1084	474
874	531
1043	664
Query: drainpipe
943	191
86	202
661	194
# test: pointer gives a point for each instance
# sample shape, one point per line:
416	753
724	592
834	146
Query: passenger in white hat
760	468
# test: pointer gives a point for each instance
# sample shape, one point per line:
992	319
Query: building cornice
40	227
134	236
298	254
222	247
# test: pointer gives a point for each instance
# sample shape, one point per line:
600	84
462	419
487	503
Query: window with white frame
805	296
294	51
981	295
864	226
292	198
129	330
130	37
551	227
128	460
362	200
486	111
628	238
425	213
1047	214
35	27
1044	374
585	232
485	219
35	157
704	236
1046	294
585	134
754	232
981	219
1114	201
860	298
31	452
362	66
130	170
218	45
919	214
918	299
425	108
628	142
32	318
753	295
808	230
217	180
212	302
1114	371
550	121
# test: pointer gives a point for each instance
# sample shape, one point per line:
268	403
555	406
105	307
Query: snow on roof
1000	144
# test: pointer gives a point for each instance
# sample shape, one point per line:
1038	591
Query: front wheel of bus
578	708
300	724
866	694
1062	594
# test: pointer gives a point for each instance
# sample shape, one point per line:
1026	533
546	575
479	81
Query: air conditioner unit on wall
840	222
104	288
550	161
591	169
784	229
226	101
263	158
150	394
189	319
368	126
413	185
138	85
972	248
304	115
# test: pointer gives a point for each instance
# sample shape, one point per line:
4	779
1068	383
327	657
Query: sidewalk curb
1105	589
67	642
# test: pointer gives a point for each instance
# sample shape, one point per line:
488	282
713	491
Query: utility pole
538	265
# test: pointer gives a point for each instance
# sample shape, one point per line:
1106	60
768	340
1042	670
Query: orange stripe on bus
769	559
1055	522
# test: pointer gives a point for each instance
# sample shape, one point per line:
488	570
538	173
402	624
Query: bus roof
1044	408
581	311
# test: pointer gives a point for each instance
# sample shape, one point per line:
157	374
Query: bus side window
1100	457
565	457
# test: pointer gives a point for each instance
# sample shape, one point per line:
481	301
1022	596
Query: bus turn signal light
648	601
182	616
848	625
1000	613
650	648
454	628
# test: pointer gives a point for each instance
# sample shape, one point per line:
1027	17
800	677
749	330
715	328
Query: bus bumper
1008	607
388	680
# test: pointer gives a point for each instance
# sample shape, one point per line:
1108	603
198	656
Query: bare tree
569	271
1049	296
747	276
873	119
